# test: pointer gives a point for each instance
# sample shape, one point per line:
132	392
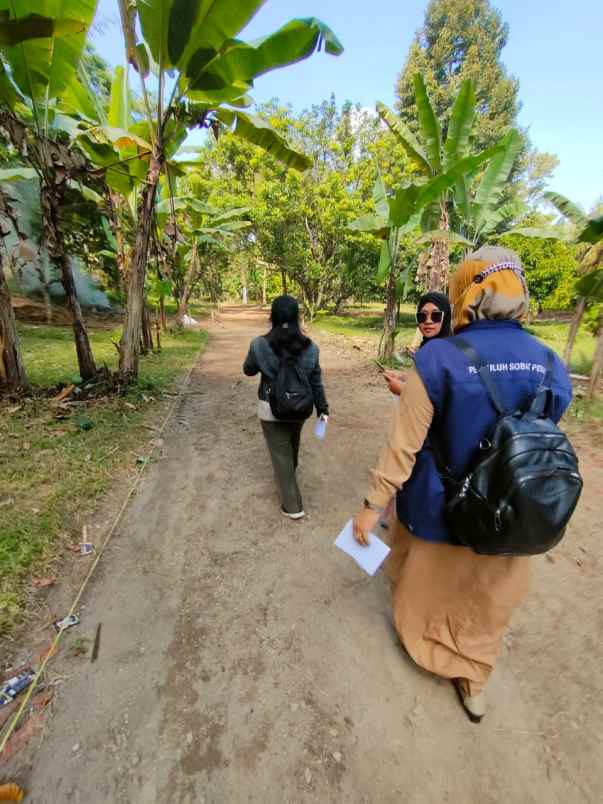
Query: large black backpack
523	483
290	395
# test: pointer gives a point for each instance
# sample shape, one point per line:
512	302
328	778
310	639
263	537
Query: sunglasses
437	316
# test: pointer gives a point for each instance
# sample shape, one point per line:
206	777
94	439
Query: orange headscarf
488	284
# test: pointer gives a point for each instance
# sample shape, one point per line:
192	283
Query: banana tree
13	378
203	74
434	155
401	213
587	234
35	71
590	287
197	230
479	211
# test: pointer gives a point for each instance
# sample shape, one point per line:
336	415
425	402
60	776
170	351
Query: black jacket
262	359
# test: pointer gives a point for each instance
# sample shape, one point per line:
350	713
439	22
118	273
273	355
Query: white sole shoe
474	705
298	515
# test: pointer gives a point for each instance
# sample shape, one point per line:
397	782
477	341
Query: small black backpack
290	394
523	484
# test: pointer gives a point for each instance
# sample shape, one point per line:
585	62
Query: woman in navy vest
433	318
451	605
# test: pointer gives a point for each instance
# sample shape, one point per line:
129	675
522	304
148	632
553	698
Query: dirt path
243	659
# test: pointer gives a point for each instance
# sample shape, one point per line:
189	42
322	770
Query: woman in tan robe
451	606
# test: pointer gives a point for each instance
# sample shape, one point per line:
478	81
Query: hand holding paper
368	558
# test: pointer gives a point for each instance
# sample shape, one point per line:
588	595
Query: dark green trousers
282	439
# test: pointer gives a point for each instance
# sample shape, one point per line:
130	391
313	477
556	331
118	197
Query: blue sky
554	49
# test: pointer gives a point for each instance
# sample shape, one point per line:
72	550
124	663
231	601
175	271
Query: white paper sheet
368	558
320	429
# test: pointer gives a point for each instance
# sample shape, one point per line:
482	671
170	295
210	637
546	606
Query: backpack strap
543	398
483	369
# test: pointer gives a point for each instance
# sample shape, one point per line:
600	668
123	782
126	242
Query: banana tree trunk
388	339
147	333
12	371
51	201
162	318
597	368
117	228
440	263
129	348
182	310
573	330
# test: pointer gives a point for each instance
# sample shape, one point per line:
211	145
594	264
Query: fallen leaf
5	503
67	391
42	583
14	409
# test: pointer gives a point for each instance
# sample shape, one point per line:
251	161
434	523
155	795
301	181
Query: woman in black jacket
264	357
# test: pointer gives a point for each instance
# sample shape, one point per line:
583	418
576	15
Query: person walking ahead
266	354
452	605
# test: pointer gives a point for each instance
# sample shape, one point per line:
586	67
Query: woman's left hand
364	522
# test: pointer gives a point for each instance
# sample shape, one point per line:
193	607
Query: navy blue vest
463	413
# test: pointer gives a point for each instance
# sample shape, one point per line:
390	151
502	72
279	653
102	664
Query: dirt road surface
244	659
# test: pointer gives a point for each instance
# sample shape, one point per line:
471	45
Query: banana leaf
380	197
374	224
259	132
591	286
119	101
567	208
461	120
242	61
592	232
405	137
202	28
428	122
385	262
43	68
17	174
498	170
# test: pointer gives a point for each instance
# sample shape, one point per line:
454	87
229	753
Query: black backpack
523	484
290	394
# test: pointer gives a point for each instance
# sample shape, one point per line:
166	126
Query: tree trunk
122	263
440	263
50	201
147	333
597	368
244	293
388	339
264	283
182	310
47	302
129	348
162	317
573	330
12	372
284	280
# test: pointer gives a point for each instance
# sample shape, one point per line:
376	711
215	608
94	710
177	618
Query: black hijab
441	302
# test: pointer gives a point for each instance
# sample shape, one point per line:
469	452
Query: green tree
37	72
203	75
459	40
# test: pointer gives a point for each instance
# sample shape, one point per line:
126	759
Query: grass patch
365	322
55	468
554	334
368	322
